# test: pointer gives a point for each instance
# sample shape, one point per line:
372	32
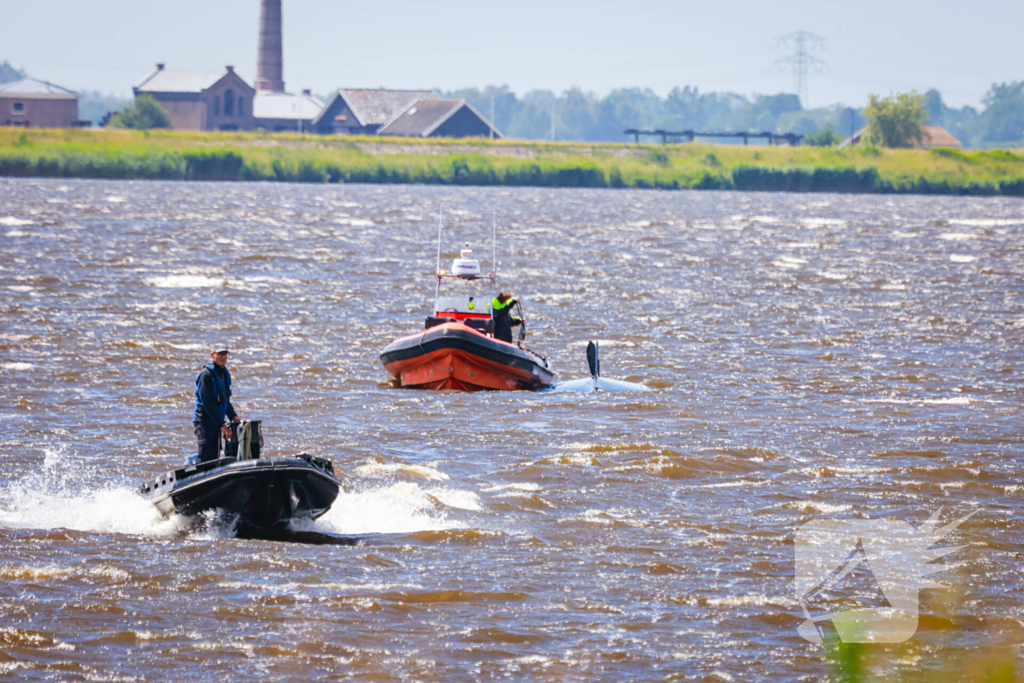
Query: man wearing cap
213	404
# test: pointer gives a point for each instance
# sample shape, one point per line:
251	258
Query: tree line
576	115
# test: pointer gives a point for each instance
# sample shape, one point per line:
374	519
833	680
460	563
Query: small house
937	136
32	103
931	136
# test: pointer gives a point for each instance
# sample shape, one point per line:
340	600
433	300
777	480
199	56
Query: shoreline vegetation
292	157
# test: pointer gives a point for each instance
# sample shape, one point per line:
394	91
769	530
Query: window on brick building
229	102
19	107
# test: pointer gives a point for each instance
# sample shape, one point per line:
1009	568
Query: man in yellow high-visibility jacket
501	313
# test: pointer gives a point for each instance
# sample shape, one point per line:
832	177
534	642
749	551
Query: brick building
221	100
201	100
31	103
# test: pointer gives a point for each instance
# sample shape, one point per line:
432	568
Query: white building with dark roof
201	100
32	103
278	111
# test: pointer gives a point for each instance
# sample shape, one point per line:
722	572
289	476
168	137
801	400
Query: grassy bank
311	158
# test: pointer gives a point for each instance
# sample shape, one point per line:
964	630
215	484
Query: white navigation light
466	265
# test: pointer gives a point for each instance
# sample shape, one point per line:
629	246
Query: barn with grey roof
433	118
362	111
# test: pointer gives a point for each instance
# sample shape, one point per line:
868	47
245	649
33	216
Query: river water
806	356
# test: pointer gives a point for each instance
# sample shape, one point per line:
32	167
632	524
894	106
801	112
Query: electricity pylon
801	62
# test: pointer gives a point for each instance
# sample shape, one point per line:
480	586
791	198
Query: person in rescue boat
213	404
504	321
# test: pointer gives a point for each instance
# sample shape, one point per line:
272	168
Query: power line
801	62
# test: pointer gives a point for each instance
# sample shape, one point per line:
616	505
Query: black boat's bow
265	492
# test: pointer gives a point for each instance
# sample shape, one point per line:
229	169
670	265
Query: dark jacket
503	319
213	396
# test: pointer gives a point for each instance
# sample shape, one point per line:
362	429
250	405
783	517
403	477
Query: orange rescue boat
457	349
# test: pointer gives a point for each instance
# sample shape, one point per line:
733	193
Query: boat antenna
494	251
440	212
437	268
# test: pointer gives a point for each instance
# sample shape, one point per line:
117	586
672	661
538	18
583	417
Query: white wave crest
185	281
56	496
13	221
987	222
393	468
401	508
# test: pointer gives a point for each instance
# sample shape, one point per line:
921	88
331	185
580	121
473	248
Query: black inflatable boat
265	493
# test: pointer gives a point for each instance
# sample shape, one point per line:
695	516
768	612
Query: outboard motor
246	441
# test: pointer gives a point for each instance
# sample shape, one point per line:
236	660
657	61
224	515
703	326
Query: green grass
311	158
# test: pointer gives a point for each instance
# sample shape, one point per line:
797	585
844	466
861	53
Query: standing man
213	404
501	313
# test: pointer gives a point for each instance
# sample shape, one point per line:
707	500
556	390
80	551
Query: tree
896	120
936	107
576	114
1003	118
144	114
531	119
94	106
962	123
504	100
823	137
625	108
9	73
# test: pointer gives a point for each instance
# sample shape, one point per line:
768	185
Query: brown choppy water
806	357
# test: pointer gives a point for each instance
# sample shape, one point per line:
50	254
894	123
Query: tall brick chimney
270	61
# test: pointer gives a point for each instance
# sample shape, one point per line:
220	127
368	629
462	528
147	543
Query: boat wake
57	497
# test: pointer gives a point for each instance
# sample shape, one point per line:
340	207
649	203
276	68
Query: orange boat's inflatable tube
454	356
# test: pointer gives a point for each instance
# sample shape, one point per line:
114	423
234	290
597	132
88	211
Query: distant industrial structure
802	62
677	136
222	100
31	103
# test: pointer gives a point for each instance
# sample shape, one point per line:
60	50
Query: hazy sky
872	46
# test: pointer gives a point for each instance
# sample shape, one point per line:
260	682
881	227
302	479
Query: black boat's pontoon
265	493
